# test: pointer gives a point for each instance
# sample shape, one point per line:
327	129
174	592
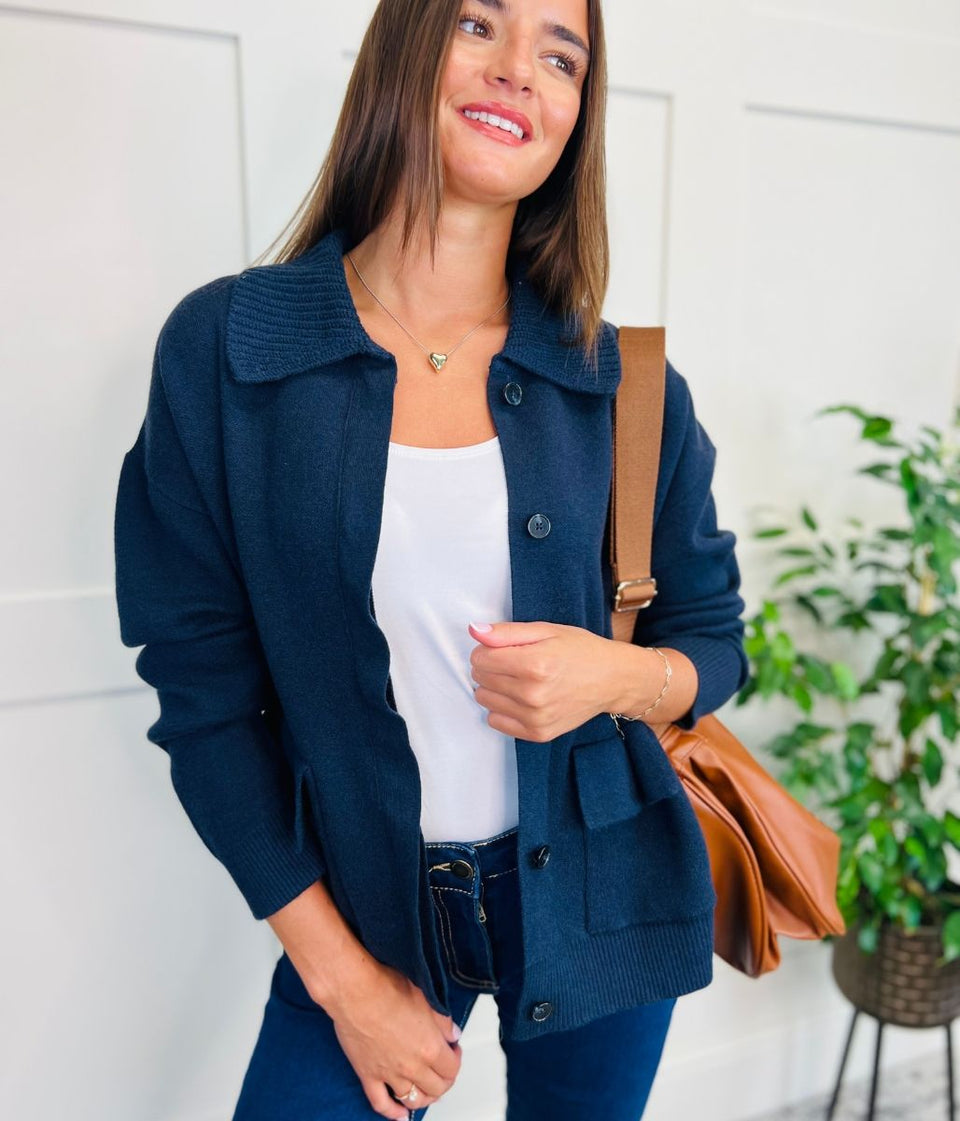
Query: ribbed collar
299	315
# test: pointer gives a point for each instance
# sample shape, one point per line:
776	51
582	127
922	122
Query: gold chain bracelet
663	691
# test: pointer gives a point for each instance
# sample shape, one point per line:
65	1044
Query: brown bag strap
636	464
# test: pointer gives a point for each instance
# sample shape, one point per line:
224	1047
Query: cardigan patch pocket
628	800
618	775
606	784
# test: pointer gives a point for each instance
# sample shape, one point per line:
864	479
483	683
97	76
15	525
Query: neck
465	281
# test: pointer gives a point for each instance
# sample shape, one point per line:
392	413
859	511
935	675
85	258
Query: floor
913	1091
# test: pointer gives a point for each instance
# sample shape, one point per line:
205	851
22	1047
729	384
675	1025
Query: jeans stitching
452	954
493	875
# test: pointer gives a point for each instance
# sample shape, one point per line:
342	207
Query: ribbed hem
270	870
721	668
606	973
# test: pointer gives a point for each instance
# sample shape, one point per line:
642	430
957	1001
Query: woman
351	459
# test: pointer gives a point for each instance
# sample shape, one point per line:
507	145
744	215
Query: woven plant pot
900	983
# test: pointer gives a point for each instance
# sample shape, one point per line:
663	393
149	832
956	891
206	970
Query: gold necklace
437	360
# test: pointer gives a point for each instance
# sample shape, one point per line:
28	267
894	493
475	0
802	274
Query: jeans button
463	869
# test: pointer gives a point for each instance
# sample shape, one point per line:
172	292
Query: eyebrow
557	30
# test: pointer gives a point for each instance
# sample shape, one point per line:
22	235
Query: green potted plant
859	638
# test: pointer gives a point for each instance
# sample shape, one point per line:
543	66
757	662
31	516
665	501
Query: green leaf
809	606
887	598
916	848
818	673
947	711
846	683
868	938
932	762
951	936
792	573
808	518
878	470
951	826
911	912
871	870
802	696
782	648
773	531
876	428
855	410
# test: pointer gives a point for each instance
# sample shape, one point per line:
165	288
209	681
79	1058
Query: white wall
784	196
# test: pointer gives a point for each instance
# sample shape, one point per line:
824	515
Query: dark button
513	393
462	868
541	856
541	1011
538	525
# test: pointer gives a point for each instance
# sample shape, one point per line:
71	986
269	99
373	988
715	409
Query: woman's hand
540	680
384	1023
392	1036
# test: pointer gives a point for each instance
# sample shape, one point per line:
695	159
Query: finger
380	1101
530	716
503	683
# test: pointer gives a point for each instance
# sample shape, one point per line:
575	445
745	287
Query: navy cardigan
247	520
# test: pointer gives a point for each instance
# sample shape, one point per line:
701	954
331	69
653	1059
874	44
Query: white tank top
443	560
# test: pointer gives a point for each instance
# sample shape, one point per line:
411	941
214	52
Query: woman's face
524	62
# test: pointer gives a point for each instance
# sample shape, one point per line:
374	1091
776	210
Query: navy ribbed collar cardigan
247	521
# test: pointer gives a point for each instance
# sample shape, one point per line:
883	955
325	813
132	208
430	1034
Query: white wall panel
852	284
121	191
937	18
638	160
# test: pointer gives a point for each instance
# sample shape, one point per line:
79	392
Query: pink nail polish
482	628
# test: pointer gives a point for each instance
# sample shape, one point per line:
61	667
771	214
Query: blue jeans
602	1070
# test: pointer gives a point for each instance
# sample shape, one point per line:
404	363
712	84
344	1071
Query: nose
512	67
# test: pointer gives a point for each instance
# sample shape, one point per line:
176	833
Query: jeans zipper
445	867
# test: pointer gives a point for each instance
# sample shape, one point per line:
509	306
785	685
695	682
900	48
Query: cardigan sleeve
180	596
698	608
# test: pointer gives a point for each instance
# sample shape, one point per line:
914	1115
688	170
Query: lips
503	112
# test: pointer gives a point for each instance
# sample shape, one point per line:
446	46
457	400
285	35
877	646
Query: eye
475	25
567	64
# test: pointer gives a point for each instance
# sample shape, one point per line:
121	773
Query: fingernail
456	1032
482	627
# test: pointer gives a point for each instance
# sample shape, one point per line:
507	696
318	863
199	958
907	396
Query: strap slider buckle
649	581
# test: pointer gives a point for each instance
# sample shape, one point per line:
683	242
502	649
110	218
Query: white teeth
495	121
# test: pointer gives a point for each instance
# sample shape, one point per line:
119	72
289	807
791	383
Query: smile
507	123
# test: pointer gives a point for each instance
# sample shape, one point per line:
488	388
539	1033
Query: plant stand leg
876	1070
952	1106
843	1062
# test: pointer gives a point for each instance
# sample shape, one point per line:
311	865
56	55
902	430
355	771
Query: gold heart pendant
438	361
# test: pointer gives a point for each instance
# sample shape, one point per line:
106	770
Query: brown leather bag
773	863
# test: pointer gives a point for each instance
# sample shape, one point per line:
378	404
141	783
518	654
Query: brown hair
374	159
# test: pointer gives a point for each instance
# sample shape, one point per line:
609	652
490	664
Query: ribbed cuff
270	870
722	670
